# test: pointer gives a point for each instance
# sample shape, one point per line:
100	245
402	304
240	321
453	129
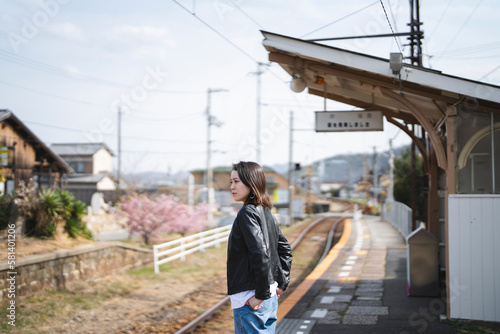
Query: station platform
361	287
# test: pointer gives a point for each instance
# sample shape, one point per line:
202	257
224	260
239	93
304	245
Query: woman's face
239	190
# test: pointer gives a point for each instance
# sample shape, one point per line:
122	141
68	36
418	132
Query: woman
259	257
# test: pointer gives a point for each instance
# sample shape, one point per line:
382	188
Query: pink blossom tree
162	214
189	219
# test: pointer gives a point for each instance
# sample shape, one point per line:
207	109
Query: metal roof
415	95
366	81
79	149
87	178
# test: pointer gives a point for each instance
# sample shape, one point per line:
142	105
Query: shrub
50	208
5	205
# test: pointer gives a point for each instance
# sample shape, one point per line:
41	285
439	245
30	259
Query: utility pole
211	120
390	195
258	126
375	175
413	184
118	189
290	171
416	34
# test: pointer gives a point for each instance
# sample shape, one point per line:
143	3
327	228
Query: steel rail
208	313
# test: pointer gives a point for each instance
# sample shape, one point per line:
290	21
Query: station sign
342	121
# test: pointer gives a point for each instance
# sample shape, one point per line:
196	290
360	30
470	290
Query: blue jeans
248	321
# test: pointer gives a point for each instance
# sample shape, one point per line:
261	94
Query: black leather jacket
256	259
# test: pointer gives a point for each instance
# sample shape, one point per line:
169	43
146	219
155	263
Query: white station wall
474	256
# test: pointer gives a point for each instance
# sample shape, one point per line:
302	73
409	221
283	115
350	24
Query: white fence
178	249
399	215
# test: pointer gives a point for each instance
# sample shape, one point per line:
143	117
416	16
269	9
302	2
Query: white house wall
102	161
106	184
474	257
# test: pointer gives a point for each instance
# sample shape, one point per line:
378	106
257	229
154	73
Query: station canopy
412	95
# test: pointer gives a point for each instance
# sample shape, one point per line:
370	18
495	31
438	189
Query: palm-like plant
51	201
62	206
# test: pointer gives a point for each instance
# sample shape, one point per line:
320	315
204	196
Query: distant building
92	163
23	156
277	184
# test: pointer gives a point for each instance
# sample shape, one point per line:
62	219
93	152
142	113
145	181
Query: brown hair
252	175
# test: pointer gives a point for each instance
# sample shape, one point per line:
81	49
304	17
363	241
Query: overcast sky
67	65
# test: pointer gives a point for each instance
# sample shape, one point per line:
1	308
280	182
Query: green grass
474	327
45	307
357	200
36	310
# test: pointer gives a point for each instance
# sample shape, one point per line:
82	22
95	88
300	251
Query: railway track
304	235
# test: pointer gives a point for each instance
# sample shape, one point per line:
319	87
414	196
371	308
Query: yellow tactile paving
302	289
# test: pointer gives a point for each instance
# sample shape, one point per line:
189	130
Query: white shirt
240	299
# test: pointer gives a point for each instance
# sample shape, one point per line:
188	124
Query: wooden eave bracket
425	123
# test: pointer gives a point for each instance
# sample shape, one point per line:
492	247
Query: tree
189	219
402	181
162	214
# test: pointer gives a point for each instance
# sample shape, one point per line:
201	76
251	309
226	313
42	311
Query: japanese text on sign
331	121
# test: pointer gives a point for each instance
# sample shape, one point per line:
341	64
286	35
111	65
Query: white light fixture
396	62
297	84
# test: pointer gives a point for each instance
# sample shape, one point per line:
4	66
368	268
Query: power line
461	27
470	57
114	135
440	19
490	72
390	25
101	105
27	62
393	17
215	31
162	152
54	95
470	49
152	119
246	14
338	20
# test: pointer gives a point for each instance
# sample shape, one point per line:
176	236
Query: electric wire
53	95
461	27
164	152
5	55
394	18
245	13
215	31
48	144
390	25
338	20
113	135
27	62
470	49
104	106
439	20
490	72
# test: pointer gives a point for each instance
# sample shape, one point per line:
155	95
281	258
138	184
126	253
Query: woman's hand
254	303
279	292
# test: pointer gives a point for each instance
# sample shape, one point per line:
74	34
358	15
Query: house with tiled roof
92	163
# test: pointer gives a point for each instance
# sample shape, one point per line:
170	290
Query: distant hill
337	168
347	167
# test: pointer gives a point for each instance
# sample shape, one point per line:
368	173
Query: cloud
66	30
72	69
141	41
